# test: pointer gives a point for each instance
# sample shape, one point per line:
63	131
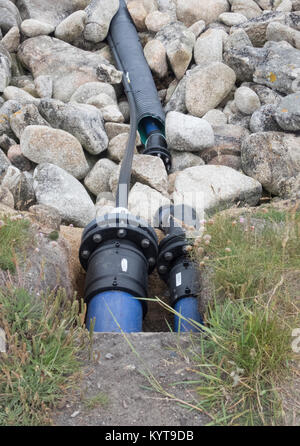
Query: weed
54	235
98	400
245	352
15	236
44	337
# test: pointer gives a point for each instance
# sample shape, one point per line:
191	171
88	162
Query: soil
121	372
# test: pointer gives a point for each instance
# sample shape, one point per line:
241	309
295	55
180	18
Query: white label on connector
178	279
124	265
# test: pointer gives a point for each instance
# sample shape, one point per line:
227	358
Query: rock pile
228	75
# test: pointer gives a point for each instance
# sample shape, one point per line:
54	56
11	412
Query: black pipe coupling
118	251
174	264
156	145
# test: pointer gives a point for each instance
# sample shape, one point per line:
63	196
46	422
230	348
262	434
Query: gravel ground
120	374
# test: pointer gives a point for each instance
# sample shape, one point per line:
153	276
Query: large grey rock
27	115
207	87
177	100
228	141
188	133
34	28
150	170
198	28
43	265
146	169
71	29
234	162
90	89
290	189
288	113
138	12
249	8
156	20
20	185
183	160
10	177
6	197
68	66
99	15
109	74
168	6
11	40
272	158
232	18
17	158
236	40
246	100
44	86
117	146
209	47
144	201
114	129
266	95
111	113
80	120
46	215
156	56
7	109
9	15
285	6
256	28
49	12
12	93
97	180
215	117
190	11
242	57
277	31
263	120
57	188
179	43
5	68
4	164
280	67
25	82
6	142
212	188
43	144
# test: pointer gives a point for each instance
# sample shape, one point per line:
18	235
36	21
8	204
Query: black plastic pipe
129	55
176	267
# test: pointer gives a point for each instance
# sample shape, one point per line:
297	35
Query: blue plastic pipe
188	308
115	312
150	126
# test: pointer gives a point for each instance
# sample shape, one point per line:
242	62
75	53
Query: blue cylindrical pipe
188	308
149	126
115	312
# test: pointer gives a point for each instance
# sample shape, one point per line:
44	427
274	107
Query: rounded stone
246	100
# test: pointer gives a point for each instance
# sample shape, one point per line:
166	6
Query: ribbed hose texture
126	41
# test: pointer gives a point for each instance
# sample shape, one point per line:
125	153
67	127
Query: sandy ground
121	372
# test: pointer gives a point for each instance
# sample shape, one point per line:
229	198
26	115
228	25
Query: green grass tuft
41	363
15	236
98	400
247	350
54	235
247	260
